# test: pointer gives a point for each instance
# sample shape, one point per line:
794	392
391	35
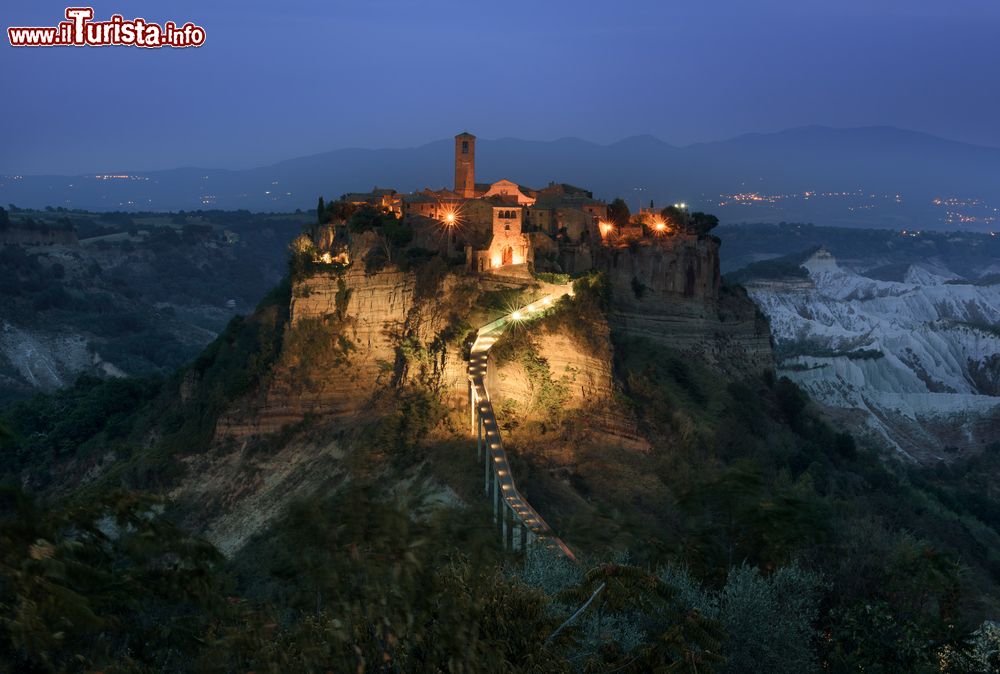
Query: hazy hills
876	176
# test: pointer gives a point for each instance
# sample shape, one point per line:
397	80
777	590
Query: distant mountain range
874	176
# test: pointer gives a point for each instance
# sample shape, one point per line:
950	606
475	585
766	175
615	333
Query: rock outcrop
670	292
351	336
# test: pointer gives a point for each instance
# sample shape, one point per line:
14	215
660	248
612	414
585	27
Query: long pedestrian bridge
519	524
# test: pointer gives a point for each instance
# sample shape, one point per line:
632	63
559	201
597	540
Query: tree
102	582
618	212
702	223
302	250
636	622
321	212
769	620
4	220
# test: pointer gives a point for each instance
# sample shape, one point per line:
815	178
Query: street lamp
450	220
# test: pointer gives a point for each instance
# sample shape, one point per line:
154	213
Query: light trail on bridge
520	524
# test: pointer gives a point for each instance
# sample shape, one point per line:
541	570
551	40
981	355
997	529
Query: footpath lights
503	488
525	312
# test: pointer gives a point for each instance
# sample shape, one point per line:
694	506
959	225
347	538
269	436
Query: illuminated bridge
519	524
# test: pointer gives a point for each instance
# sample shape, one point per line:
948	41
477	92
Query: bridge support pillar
496	491
504	527
486	487
472	405
516	539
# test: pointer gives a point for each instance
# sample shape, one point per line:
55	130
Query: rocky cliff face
351	335
577	371
582	371
355	338
670	292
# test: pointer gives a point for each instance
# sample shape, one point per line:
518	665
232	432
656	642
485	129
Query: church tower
465	165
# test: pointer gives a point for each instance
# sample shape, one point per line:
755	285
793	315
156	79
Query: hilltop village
507	229
385	288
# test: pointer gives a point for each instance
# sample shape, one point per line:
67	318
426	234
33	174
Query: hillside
115	294
321	445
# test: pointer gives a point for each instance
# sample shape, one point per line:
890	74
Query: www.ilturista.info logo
79	30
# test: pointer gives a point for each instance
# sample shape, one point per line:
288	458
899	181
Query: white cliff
915	363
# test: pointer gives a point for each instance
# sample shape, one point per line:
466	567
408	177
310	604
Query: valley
673	436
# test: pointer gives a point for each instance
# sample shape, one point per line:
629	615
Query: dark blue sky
277	80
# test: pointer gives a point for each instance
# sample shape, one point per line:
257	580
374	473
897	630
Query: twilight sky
287	78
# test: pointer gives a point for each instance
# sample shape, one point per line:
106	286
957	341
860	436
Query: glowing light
660	226
495	262
517	259
546	300
516	316
606	228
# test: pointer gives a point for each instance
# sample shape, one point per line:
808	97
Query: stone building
508	245
491	220
465	165
384	199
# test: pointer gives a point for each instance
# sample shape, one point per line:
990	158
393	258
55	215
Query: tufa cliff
356	334
353	336
670	292
360	337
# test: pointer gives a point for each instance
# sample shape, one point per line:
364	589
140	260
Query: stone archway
507	257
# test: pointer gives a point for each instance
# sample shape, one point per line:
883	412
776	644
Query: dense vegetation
784	267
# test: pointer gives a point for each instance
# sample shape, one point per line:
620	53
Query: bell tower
465	165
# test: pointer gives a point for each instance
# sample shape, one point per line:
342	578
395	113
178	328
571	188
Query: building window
465	147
